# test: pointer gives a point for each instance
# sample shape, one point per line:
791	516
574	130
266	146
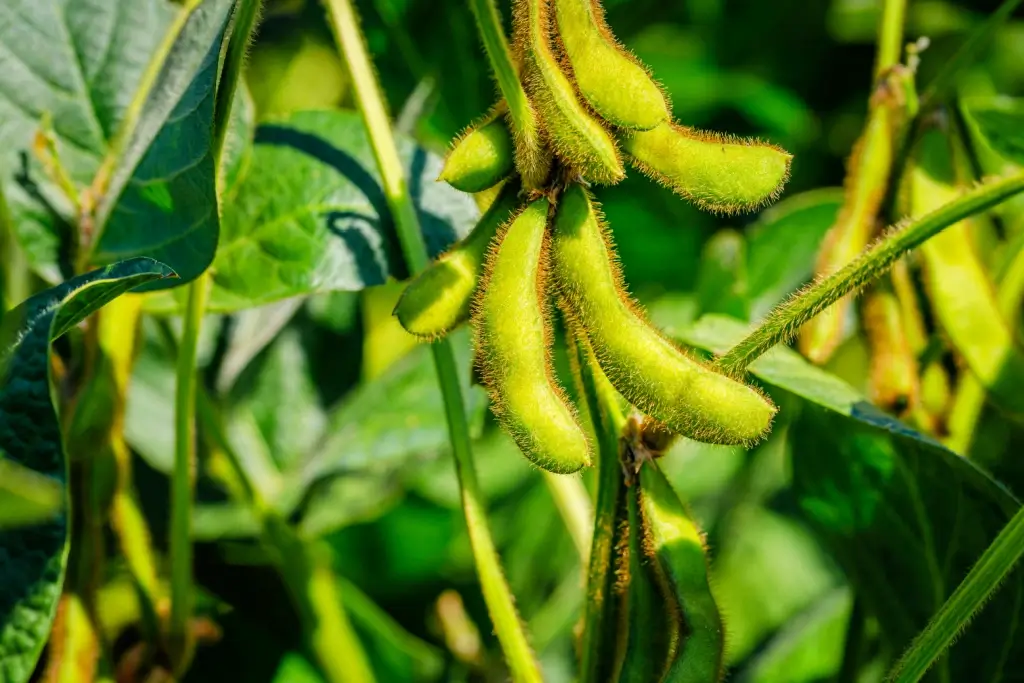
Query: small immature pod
676	548
610	78
716	172
647	369
439	299
894	376
579	140
481	156
512	331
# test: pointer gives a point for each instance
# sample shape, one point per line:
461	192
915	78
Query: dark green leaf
162	199
310	214
1000	122
32	571
903	516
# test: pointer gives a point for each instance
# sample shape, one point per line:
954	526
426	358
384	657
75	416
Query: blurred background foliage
339	408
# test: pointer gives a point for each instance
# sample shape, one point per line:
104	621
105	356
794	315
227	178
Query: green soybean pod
718	173
439	299
610	78
578	139
676	547
512	331
894	374
651	619
961	294
647	369
481	156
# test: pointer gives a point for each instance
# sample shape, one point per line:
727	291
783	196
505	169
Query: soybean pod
439	299
578	139
718	173
894	376
647	369
481	156
961	294
676	549
511	323
610	78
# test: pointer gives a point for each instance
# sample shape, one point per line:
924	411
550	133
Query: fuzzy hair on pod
610	78
719	173
651	372
439	299
579	139
512	332
482	155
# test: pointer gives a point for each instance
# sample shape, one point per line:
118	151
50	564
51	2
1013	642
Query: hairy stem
507	625
782	323
184	476
890	36
953	617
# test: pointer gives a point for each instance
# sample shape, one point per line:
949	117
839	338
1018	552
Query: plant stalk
497	595
488	22
781	324
953	617
184	476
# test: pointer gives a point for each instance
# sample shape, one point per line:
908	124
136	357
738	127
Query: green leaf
783	245
1000	120
27	498
808	648
32	572
722	281
903	516
162	200
79	61
310	214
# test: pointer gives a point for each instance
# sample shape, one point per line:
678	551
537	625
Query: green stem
488	22
603	406
979	38
890	36
14	271
247	15
782	323
953	617
184	476
507	625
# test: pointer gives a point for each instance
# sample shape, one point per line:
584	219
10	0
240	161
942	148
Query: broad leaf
78	61
310	215
1000	120
32	571
161	201
903	516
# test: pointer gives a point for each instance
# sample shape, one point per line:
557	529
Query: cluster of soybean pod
543	241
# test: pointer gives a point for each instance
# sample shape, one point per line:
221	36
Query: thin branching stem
507	625
782	323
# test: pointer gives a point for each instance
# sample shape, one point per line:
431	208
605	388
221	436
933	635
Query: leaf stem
782	323
573	505
507	625
890	36
953	617
184	476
